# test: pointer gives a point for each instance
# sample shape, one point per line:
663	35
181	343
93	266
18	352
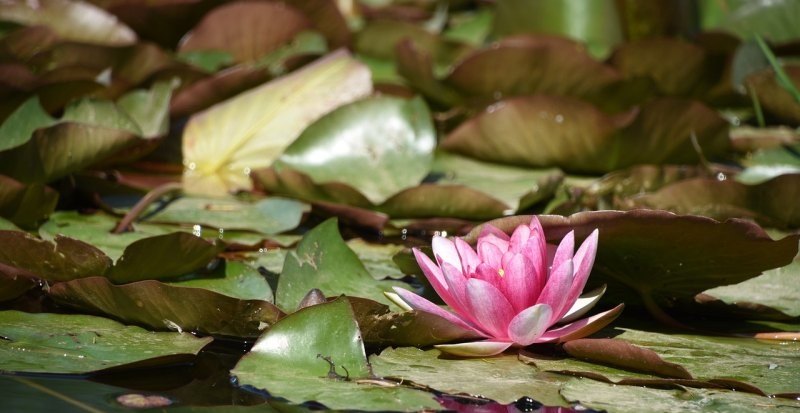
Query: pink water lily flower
514	291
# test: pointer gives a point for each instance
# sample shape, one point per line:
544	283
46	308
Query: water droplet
246	171
773	366
197	230
192	166
721	176
559	118
497	95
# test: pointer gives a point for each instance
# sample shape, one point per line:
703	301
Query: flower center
501	272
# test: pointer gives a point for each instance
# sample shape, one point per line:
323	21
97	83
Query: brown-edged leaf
620	353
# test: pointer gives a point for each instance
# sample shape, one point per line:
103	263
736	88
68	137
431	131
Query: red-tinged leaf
620	353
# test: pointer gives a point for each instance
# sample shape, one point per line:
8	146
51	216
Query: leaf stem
172	188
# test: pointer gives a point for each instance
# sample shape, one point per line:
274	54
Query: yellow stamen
501	272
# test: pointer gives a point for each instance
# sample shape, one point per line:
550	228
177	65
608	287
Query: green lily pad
323	261
79	344
377	258
503	378
222	144
623	399
660	256
7	225
776	288
770	203
26	205
287	361
163	256
149	108
163	306
247	31
61	259
546	131
268	216
771	20
70	19
238	280
18	127
385	144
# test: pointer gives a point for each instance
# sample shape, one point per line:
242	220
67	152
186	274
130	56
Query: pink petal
445	251
484	348
457	289
486	273
521	285
584	260
536	247
489	229
519	238
489	253
555	291
565	250
469	258
419	303
581	328
582	305
434	275
490	309
530	324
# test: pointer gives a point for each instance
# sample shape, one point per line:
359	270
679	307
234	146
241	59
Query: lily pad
505	378
379	146
163	256
776	288
79	344
246	30
770	203
222	85
237	280
15	281
548	131
70	19
377	258
62	259
18	127
268	216
769	19
163	306
296	348
661	256
222	144
623	399
323	261
26	205
775	98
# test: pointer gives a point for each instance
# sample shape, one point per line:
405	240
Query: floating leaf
622	354
510	379
222	144
268	216
379	146
663	256
770	19
221	85
70	19
15	281
547	131
773	96
163	256
246	30
296	348
238	280
377	258
163	306
770	203
26	205
17	129
63	259
323	261
79	344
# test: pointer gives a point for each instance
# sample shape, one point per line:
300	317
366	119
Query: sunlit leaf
62	259
70	19
225	142
379	146
323	261
239	280
163	306
162	256
61	343
294	348
770	19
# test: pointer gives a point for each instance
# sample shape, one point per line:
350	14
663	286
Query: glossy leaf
15	281
663	255
26	205
379	146
222	144
323	261
163	306
377	258
238	280
625	355
163	256
770	19
246	30
62	259
70	19
78	344
295	348
17	129
544	131
267	216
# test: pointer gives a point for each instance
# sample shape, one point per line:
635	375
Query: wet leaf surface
294	348
379	146
623	354
323	261
78	344
161	306
163	256
58	260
